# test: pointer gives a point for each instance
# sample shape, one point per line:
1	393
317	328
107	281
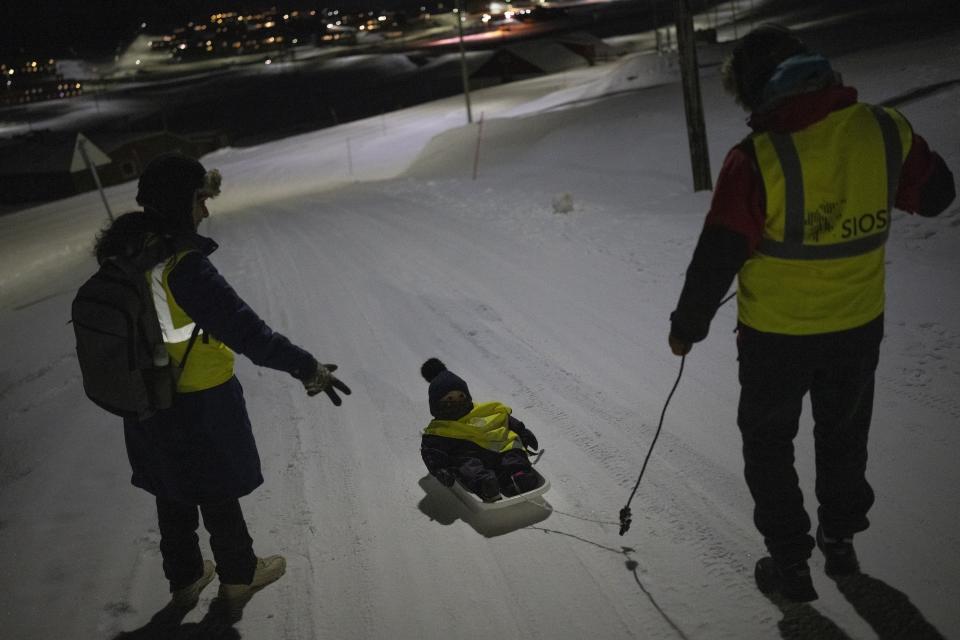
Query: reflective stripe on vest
210	362
487	425
829	191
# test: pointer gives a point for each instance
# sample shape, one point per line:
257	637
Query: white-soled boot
187	597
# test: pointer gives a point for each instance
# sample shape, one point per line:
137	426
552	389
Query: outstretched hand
324	380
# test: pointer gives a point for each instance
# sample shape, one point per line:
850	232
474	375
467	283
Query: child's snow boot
791	581
522	481
841	559
489	489
188	596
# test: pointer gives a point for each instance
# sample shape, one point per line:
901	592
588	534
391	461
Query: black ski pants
180	547
776	372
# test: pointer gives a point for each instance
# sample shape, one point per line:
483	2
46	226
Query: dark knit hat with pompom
442	382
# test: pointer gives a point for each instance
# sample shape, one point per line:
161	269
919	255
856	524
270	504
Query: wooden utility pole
465	77
696	129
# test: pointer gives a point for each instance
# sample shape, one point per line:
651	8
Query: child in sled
481	444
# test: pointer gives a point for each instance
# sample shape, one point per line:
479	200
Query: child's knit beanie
442	382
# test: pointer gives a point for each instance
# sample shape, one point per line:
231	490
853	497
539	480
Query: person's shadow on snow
801	621
167	624
441	505
887	610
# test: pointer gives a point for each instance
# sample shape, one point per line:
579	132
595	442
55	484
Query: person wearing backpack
199	455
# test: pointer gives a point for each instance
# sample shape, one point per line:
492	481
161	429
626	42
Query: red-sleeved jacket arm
731	233
926	183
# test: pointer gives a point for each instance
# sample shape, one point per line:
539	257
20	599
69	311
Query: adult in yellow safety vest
199	456
800	215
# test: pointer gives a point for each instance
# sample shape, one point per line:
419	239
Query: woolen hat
442	382
755	58
167	187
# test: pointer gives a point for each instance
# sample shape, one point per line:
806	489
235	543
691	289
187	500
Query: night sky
67	28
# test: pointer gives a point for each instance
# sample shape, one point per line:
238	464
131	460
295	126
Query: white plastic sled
474	503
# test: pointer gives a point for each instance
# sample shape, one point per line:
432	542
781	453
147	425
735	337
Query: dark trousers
474	468
776	372
180	547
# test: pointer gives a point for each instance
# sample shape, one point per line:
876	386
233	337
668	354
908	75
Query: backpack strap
193	338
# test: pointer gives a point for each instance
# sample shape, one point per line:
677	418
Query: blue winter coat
202	449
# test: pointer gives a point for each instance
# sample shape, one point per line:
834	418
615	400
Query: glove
678	346
529	440
323	380
445	476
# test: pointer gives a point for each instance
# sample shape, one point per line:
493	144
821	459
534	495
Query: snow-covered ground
371	245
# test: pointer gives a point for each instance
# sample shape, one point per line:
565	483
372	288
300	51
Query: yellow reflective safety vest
210	362
830	190
487	425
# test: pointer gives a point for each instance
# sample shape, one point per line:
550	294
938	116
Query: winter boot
188	596
489	489
792	581
521	482
841	559
268	570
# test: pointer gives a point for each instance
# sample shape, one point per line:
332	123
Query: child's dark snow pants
480	464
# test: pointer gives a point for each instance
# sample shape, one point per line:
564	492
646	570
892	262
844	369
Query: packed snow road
377	279
562	316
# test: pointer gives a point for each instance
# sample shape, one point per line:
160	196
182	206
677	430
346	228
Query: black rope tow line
625	515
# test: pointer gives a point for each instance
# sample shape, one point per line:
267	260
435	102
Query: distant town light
268	61
137	62
381	18
143	25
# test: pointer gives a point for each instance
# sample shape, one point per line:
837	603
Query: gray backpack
124	363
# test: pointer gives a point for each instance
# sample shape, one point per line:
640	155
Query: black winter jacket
202	449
